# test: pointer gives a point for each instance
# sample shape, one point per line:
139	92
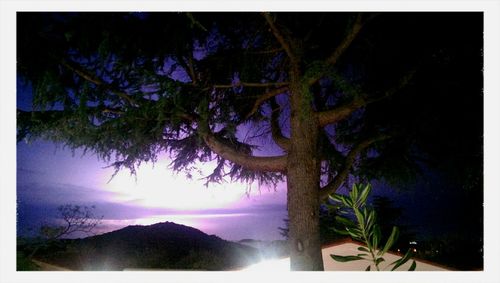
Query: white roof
351	248
344	249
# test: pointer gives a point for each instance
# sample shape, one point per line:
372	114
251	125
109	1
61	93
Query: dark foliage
123	84
372	96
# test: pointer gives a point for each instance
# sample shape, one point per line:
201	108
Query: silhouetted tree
75	219
307	97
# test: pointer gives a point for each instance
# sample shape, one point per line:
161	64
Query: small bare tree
76	219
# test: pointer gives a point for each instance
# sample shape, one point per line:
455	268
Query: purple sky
49	176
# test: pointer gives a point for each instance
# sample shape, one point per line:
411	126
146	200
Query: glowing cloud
159	187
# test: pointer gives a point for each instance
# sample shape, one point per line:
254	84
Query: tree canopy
313	97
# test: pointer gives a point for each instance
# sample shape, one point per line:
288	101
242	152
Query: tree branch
261	164
280	37
345	110
340	112
270	51
97	81
191	69
263	98
276	133
356	27
245	84
188	67
344	44
404	81
113	111
342	174
244	159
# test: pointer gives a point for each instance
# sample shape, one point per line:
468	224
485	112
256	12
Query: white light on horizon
192	220
159	187
272	265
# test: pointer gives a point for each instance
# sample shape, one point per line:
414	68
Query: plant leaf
343	212
335	197
340	258
330	206
341	232
349	202
354	233
413	266
371	217
360	217
379	260
354	192
390	241
342	199
363	249
402	260
376	237
364	194
368	268
345	221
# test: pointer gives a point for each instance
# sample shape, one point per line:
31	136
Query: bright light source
157	187
273	265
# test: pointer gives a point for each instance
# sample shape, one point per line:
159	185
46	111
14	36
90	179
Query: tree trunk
303	173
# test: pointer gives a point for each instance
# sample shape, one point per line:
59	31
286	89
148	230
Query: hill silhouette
163	245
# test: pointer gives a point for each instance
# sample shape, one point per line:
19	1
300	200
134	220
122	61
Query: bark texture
303	173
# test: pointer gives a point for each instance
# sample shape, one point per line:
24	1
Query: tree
313	98
75	218
326	221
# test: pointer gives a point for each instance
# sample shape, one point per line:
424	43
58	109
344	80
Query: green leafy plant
365	229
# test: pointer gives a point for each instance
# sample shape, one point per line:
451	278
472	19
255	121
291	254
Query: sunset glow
157	186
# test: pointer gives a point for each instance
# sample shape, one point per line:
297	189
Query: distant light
399	250
149	189
273	265
413	242
414	250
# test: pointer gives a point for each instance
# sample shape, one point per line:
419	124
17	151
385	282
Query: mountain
159	246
